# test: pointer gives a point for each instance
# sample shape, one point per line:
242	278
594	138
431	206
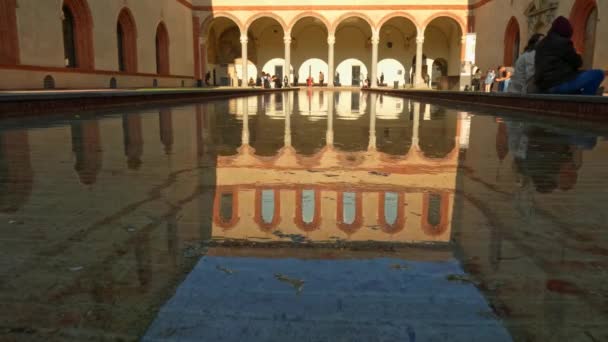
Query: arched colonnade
346	50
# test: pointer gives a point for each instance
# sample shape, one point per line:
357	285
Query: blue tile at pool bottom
342	300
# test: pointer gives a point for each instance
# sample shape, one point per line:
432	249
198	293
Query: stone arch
579	17
398	224
128	46
271	15
162	49
229	196
359	15
314	195
9	40
206	25
461	23
307	14
259	209
429	203
82	34
512	42
357	219
404	15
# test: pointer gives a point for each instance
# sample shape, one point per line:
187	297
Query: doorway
278	71
356	72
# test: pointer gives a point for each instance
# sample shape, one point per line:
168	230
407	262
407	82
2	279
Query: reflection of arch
349	211
308	209
315	15
450	15
162	49
435	213
580	15
511	50
165	122
16	176
133	139
391	212
126	32
86	146
78	34
403	15
226	207
270	15
9	40
348	15
438	131
267	203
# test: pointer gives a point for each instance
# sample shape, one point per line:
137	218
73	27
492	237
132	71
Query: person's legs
586	83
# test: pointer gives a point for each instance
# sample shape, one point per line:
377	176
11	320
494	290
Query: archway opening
512	42
126	39
309	49
162	50
442	40
353	51
396	48
77	24
269	48
584	17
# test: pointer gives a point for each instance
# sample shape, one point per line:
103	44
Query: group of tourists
266	81
550	65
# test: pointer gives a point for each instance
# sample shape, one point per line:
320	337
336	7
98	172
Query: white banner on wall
471	42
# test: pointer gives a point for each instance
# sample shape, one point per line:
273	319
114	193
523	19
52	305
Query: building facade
182	43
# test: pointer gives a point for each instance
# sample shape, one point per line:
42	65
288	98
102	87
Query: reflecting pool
303	216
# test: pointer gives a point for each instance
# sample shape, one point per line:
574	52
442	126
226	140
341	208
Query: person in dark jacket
557	64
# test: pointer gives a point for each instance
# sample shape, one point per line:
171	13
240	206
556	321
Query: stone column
329	135
331	41
372	123
244	61
418	81
287	66
374	73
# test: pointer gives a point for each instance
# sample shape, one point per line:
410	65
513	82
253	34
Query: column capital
331	39
463	39
202	40
244	39
420	40
287	39
375	38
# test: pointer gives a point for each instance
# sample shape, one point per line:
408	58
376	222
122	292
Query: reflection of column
245	62
287	67
329	137
372	123
375	41
331	41
416	134
245	133
287	136
418	78
86	145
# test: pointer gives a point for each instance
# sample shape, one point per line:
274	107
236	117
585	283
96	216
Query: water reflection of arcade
400	185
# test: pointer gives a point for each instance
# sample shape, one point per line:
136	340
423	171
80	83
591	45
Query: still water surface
308	216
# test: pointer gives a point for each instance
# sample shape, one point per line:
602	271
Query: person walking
286	81
321	78
382	79
557	64
524	67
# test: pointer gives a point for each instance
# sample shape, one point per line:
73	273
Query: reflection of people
524	67
557	64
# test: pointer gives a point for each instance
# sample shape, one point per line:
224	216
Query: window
69	41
